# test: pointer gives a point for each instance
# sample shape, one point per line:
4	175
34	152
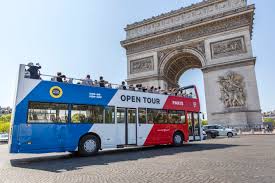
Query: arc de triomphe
213	35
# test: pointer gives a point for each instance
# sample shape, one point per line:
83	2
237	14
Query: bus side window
142	116
157	116
47	113
176	117
150	116
109	115
87	114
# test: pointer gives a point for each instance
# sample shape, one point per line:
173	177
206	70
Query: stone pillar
223	107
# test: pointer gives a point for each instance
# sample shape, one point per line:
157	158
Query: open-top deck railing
96	83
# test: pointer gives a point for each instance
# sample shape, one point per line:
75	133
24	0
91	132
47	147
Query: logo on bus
56	92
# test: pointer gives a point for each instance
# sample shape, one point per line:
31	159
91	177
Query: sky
79	37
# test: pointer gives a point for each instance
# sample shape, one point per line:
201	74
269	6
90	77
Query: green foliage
5	118
76	118
268	120
4	127
204	122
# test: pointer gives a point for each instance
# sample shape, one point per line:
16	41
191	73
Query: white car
4	137
222	130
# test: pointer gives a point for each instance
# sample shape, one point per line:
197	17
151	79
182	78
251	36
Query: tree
268	120
78	118
5	118
204	122
4	127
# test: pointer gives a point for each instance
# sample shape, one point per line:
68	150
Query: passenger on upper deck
139	87
34	70
60	77
88	81
102	82
151	90
122	86
174	92
96	83
131	87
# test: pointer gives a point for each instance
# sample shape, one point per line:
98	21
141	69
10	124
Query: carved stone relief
199	31
142	65
228	47
135	30
232	89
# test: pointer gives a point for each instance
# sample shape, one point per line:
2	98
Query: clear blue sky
83	36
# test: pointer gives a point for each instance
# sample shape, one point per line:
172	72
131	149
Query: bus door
131	126
126	126
194	126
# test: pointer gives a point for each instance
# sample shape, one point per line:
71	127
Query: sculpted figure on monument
232	90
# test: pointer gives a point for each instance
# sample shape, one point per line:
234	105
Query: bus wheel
88	145
177	139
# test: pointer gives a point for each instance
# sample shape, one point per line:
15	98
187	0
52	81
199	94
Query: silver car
222	130
4	137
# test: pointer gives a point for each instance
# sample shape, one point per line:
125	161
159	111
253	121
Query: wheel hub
177	139
90	145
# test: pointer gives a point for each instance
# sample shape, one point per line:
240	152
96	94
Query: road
240	159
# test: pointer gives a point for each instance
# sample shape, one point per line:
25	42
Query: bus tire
88	145
177	139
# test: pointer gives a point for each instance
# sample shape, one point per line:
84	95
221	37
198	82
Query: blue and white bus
51	116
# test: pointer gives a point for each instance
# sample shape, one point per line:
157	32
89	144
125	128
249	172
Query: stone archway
213	35
175	63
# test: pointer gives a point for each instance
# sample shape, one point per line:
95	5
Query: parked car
4	137
211	133
222	131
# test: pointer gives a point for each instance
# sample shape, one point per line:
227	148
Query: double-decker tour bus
51	116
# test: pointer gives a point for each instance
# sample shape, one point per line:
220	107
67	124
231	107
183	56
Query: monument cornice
171	13
243	10
192	23
182	16
229	65
242	19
